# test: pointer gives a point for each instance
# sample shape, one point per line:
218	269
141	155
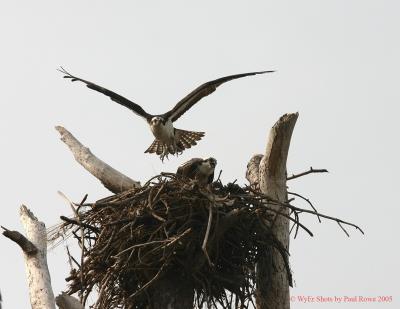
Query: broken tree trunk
268	173
34	246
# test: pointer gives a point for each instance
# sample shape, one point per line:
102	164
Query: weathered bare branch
34	246
308	201
28	247
310	171
112	179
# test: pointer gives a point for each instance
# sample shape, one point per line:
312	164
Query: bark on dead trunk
268	173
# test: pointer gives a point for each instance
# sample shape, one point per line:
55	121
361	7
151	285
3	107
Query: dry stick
75	222
300	210
141	245
280	213
339	221
73	259
73	205
307	200
204	245
344	230
151	281
311	170
82	202
219	176
103	287
187	231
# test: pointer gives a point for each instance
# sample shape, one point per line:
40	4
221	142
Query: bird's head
156	121
212	162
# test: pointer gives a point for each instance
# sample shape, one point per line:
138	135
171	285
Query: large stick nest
209	238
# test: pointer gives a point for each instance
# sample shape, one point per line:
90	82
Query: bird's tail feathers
186	139
156	147
183	140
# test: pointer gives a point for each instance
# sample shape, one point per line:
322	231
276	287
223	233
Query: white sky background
338	65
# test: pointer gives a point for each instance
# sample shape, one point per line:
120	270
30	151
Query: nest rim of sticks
210	237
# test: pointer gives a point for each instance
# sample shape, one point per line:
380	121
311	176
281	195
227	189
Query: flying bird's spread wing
113	96
202	91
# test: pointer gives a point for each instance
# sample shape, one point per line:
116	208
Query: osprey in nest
168	139
201	170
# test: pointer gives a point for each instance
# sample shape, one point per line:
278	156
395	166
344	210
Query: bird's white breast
163	132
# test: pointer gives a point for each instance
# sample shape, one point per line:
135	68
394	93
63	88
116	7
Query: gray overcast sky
338	65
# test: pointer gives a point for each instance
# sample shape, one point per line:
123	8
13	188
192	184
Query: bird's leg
172	149
175	147
164	154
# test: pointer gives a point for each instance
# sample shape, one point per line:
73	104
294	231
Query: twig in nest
75	222
73	205
204	245
150	282
219	176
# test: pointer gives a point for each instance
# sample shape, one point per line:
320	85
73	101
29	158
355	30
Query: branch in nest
75	222
310	171
204	245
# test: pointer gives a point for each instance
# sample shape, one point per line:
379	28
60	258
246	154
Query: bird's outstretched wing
137	109
202	91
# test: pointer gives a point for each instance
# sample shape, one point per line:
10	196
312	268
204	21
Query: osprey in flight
168	140
198	169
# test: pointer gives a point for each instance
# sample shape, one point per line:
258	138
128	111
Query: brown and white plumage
185	139
169	140
201	170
